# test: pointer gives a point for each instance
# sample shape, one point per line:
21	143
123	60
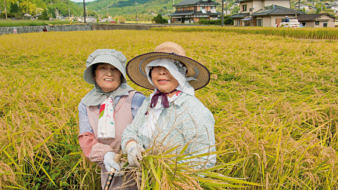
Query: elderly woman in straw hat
172	115
106	111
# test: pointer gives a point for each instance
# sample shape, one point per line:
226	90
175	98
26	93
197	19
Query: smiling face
163	80
107	77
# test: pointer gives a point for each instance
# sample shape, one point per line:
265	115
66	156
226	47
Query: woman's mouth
162	81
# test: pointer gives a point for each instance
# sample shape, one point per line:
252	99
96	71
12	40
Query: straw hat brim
136	69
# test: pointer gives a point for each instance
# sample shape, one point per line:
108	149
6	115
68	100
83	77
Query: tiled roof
275	10
240	15
193	13
182	14
195	2
311	17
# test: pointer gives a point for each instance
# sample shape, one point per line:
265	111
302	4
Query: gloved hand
110	162
134	152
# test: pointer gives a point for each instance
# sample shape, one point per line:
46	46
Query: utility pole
107	9
5	2
299	5
136	12
226	8
84	11
222	14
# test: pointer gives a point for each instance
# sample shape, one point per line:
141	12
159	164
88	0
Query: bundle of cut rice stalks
163	168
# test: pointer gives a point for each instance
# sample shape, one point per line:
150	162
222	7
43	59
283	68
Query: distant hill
129	8
48	8
147	9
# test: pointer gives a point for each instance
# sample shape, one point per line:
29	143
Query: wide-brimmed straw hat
167	50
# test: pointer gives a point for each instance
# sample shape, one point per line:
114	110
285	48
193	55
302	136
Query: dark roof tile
275	10
311	17
195	2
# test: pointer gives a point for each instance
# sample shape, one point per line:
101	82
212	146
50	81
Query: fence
83	27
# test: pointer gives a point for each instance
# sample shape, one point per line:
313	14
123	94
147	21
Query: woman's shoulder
190	100
193	103
193	107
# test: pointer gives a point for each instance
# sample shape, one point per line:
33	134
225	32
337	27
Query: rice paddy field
274	100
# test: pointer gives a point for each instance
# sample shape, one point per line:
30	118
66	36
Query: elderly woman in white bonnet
106	111
172	115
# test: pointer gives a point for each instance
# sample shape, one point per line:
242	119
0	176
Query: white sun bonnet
169	64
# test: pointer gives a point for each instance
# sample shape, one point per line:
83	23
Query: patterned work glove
134	152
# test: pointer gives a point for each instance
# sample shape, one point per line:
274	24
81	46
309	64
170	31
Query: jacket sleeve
131	131
89	144
199	134
136	103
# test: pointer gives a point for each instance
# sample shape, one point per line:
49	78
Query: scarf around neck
96	96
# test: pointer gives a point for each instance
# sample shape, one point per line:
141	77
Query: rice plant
273	98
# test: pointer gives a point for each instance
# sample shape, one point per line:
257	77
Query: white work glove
110	162
134	152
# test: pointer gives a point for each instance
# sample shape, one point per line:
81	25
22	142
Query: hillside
146	9
39	8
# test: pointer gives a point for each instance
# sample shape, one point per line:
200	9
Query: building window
325	24
203	10
259	22
244	7
316	22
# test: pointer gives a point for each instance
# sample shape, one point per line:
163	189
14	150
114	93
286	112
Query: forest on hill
130	9
42	9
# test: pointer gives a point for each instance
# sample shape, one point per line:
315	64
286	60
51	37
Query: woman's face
107	77
163	80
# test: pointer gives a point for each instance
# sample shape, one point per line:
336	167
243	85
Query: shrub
44	15
227	21
159	19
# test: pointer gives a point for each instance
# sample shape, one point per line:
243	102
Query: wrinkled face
107	77
163	80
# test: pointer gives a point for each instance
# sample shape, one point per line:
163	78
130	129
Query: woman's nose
162	71
109	72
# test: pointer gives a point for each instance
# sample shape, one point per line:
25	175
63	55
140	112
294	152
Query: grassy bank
274	100
9	23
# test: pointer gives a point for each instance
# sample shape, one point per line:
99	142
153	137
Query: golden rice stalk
169	170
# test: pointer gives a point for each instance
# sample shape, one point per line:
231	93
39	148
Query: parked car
290	22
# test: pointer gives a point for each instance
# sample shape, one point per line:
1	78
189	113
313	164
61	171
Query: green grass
9	22
274	100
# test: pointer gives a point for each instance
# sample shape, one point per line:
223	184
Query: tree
159	19
44	15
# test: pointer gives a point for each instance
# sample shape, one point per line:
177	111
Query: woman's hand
134	152
110	161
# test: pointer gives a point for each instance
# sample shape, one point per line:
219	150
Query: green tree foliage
227	21
159	19
44	15
17	8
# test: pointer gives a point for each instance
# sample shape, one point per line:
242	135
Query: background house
263	12
191	11
272	15
317	20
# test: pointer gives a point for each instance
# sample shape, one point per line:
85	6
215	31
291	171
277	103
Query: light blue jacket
186	121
